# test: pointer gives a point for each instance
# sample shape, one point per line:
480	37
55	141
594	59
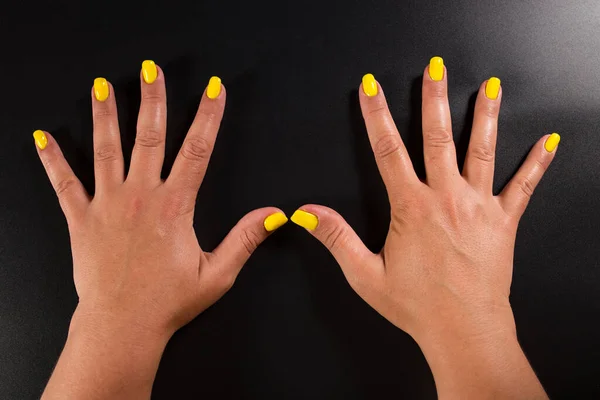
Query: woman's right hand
444	273
138	268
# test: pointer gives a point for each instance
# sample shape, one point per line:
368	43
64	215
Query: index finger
393	161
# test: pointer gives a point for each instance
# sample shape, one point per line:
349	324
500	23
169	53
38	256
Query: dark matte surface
291	327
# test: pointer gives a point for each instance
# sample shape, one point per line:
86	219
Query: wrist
115	356
473	353
105	326
466	322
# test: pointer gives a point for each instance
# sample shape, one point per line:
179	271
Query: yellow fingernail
101	89
492	88
213	90
149	71
274	221
551	143
369	85
41	141
436	68
305	220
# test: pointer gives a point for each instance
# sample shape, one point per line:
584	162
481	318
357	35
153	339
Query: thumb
244	238
333	231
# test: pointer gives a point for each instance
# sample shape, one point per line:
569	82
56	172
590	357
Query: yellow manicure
551	143
436	68
369	85
492	88
41	141
305	220
101	89
213	90
149	71
274	221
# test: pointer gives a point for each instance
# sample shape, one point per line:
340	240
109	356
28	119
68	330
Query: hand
445	269
137	264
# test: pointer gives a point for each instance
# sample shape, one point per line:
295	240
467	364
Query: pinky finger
515	196
71	193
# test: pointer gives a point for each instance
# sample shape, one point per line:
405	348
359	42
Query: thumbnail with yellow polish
305	220
274	221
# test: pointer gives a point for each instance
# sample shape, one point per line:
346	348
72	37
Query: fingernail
436	68
41	141
149	71
551	143
369	85
274	221
492	88
213	90
305	220
101	89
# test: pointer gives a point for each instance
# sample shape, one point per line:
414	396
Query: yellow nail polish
149	71
492	88
305	220
551	143
41	141
369	85
274	221
101	89
436	68
213	90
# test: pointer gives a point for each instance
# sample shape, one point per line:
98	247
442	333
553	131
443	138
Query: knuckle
448	200
438	137
207	112
134	207
386	145
250	240
452	206
196	149
171	207
65	185
542	165
149	137
152	97
403	210
106	153
335	237
435	90
482	152
526	186
103	113
377	111
226	281
508	223
490	109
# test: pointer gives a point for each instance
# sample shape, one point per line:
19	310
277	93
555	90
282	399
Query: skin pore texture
443	275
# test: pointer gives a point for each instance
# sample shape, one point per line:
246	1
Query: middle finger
438	145
149	149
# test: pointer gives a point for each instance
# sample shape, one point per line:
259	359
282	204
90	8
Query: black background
291	327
